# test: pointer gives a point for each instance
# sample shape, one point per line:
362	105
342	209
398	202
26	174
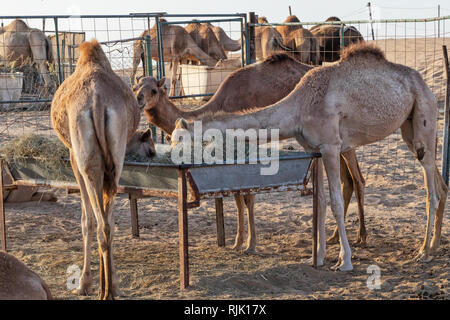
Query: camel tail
109	178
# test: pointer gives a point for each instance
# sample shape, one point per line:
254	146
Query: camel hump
277	58
359	49
91	52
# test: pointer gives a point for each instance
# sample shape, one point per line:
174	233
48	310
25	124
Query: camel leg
347	192
38	46
422	145
359	185
137	54
330	157
87	229
174	77
251	237
240	222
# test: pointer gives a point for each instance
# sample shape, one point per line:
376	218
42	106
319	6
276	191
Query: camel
360	99
20	44
301	40
280	73
141	144
177	45
94	114
226	42
268	40
18	282
329	39
206	40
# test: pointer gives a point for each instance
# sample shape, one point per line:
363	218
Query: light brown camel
225	41
268	40
18	282
329	38
240	91
204	37
177	45
301	40
20	44
359	100
94	114
141	145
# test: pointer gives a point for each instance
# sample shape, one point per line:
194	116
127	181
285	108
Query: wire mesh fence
150	44
416	43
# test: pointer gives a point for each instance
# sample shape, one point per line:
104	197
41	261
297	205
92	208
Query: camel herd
333	109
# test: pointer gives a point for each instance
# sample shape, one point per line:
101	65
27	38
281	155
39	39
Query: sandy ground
47	236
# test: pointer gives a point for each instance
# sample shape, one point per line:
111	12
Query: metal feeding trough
189	183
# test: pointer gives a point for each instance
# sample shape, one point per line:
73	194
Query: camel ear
146	135
137	78
161	82
181	124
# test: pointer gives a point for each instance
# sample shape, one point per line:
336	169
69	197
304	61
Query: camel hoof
82	292
361	242
422	256
341	266
320	262
250	250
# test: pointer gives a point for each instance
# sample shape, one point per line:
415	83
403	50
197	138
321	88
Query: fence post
58	56
148	49
341	34
445	147
252	20
160	49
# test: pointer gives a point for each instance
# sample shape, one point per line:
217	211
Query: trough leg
134	216
183	229
2	209
220	222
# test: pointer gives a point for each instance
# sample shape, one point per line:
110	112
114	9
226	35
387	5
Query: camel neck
281	116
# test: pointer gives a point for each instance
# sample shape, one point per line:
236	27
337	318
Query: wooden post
252	20
134	216
445	147
315	172
2	209
183	229
220	223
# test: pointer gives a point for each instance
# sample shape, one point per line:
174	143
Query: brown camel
206	40
177	45
226	42
18	282
301	40
280	73
20	44
94	114
329	38
359	100
141	144
268	40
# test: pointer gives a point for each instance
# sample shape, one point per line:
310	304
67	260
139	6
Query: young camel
177	45
361	99
280	73
301	40
20	43
94	114
268	40
206	40
226	42
18	282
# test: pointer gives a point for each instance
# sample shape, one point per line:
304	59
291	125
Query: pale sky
274	10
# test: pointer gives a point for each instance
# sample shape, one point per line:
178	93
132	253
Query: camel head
141	144
148	90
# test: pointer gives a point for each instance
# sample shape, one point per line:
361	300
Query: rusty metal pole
252	21
2	209
315	174
445	146
134	216
183	229
220	222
